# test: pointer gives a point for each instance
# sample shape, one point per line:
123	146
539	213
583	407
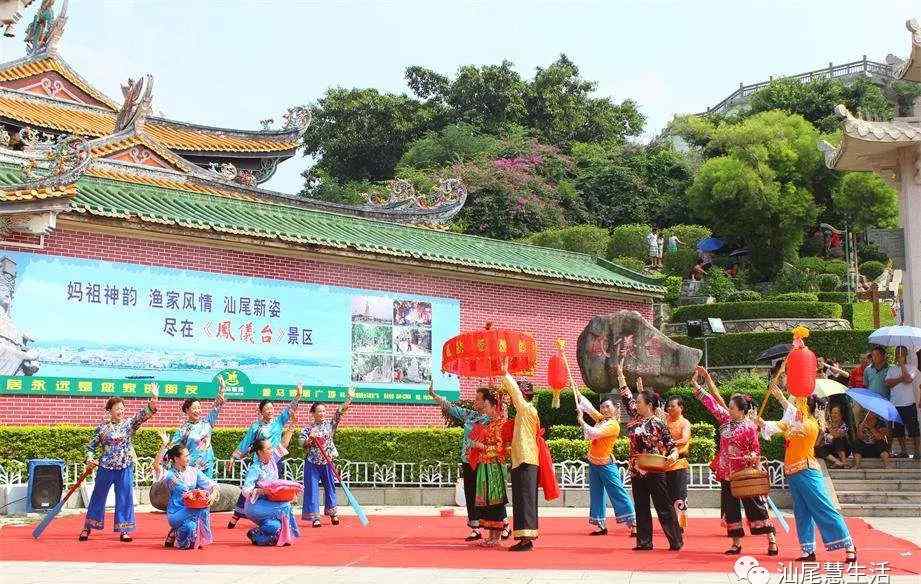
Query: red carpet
419	542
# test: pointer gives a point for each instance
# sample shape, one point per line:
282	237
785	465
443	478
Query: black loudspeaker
695	329
46	484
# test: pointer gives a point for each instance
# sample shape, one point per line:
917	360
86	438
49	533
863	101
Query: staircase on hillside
874	491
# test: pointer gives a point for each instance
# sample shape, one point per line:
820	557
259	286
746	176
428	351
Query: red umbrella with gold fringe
480	353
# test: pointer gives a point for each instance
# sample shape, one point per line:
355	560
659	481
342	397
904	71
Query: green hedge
861	315
839	297
795	297
754	310
700	450
356	444
699	430
744	348
744	296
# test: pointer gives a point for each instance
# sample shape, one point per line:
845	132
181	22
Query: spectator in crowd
732	270
902	381
673	243
872	440
655	252
833	441
698	271
875	374
855	379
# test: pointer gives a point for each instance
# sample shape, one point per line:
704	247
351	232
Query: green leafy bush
872	269
795	297
791	279
679	263
587	239
839	297
828	282
698	430
630	241
744	296
870	251
673	289
717	284
743	348
861	315
755	310
816	266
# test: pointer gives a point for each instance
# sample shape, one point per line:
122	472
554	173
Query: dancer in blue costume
269	427
275	522
195	432
189	528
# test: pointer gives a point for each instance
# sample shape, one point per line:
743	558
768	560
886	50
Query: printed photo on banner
391	341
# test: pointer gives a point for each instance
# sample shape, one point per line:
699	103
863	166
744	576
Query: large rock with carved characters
660	361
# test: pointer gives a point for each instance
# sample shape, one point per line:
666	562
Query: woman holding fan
739	449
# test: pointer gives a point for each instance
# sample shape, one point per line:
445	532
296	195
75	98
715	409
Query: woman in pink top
739	449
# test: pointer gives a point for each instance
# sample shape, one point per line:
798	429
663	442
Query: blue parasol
876	403
709	244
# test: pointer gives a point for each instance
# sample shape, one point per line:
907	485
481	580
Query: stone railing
870	69
571	474
767	325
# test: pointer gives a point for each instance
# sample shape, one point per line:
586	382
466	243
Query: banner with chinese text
108	328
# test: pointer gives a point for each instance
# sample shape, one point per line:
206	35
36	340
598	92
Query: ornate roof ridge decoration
910	68
445	200
53	165
11	13
46	29
877	130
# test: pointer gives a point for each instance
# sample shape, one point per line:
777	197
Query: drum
281	491
750	482
652	462
196	499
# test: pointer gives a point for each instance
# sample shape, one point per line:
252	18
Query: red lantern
801	365
481	353
558	373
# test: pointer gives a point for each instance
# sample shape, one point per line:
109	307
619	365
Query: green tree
450	145
862	200
621	185
560	107
758	192
816	100
360	134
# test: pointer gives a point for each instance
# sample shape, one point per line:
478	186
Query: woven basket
750	482
652	462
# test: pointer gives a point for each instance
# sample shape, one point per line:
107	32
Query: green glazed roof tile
323	229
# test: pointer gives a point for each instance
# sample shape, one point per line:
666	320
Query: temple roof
910	69
176	206
870	145
98	119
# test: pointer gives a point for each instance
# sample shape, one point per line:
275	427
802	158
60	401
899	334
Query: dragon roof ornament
401	201
58	164
46	28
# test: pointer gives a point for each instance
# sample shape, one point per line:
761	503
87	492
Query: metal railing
863	67
571	474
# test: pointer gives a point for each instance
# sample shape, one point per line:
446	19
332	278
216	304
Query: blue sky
234	62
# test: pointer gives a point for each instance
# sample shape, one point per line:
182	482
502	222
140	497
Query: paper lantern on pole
801	365
481	353
558	373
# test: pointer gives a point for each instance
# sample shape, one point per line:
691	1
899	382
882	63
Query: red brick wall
547	315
